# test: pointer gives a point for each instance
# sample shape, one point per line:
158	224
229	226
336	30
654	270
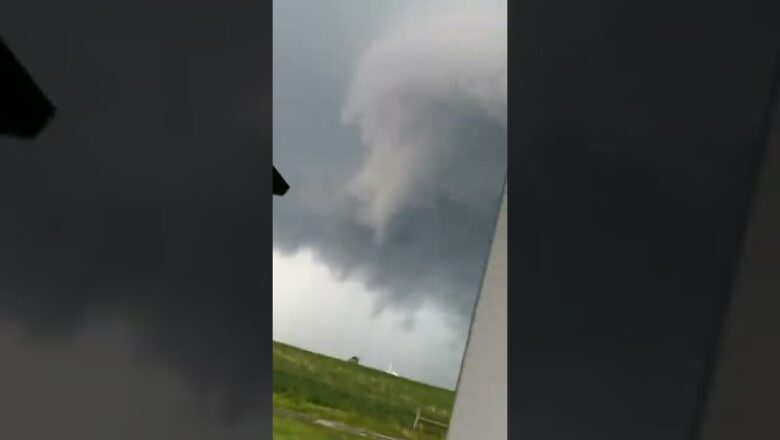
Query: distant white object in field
390	371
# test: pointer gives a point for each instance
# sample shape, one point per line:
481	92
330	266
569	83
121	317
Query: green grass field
322	387
287	429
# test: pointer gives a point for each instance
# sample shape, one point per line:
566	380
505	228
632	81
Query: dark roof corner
280	185
24	109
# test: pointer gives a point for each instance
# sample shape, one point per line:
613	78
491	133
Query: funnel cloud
427	100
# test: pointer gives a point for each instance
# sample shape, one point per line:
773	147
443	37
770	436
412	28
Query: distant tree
354	360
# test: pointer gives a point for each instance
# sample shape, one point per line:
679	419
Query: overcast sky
390	124
133	303
131	246
132	229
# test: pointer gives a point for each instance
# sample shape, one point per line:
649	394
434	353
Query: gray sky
390	124
640	126
130	239
98	386
132	228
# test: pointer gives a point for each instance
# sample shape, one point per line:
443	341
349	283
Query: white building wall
480	411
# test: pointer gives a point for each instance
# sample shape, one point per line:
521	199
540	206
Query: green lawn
287	429
328	388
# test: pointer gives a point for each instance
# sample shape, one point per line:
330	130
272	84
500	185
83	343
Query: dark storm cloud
639	127
144	199
412	210
94	387
145	196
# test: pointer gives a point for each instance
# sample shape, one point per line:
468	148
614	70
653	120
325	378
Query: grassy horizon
320	386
